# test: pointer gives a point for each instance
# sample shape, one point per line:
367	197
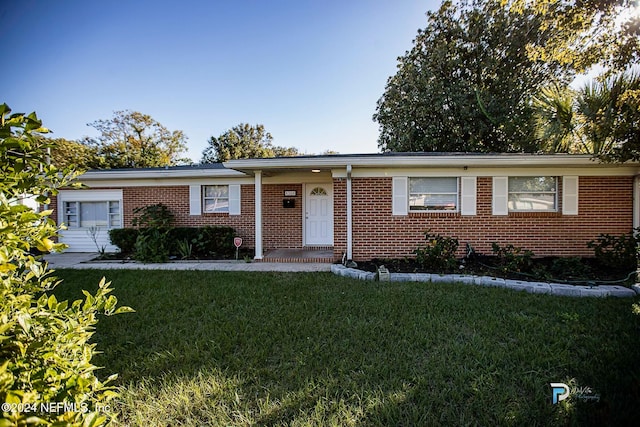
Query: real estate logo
559	392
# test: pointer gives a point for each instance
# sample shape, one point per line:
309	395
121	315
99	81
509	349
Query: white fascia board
143	177
156	182
457	161
489	171
159	173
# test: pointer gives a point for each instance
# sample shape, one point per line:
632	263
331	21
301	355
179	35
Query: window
532	193
318	191
433	194
216	198
92	214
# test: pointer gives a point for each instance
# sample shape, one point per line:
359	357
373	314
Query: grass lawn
227	348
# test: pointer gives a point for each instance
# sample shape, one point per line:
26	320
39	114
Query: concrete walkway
83	260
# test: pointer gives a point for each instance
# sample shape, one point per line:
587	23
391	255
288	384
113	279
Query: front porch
304	255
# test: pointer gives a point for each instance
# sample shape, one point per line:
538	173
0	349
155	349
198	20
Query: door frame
309	186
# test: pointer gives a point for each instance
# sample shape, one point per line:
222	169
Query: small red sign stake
237	242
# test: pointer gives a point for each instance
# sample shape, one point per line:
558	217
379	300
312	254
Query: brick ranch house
372	205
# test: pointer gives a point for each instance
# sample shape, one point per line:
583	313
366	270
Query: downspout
636	201
636	220
349	212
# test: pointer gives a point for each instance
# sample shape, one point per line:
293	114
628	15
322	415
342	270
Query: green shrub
616	252
185	249
208	241
152	246
220	241
45	349
153	216
153	242
124	239
439	253
569	268
512	259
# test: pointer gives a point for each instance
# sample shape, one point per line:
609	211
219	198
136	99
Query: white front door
319	215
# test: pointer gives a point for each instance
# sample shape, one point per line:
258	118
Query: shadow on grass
207	348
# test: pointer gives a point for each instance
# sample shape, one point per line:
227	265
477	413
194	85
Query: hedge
206	242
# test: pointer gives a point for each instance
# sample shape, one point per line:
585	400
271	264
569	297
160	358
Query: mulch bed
578	271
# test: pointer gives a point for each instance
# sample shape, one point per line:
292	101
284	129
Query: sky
310	71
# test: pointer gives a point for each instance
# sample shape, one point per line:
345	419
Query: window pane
93	214
216	198
318	191
216	191
433	185
216	205
532	201
71	214
115	220
433	194
532	193
520	184
433	202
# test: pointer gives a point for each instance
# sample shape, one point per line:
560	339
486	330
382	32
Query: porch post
349	223
258	214
636	220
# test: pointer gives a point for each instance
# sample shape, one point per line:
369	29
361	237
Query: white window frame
457	195
224	209
196	199
555	194
72	208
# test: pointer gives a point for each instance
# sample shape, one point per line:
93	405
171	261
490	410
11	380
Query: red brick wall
176	198
605	206
54	205
281	227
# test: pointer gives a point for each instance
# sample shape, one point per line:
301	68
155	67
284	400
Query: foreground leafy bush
616	252
438	254
46	374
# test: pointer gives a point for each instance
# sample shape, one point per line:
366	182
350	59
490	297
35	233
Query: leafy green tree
555	119
64	153
602	118
134	140
284	151
244	142
585	33
46	374
467	83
